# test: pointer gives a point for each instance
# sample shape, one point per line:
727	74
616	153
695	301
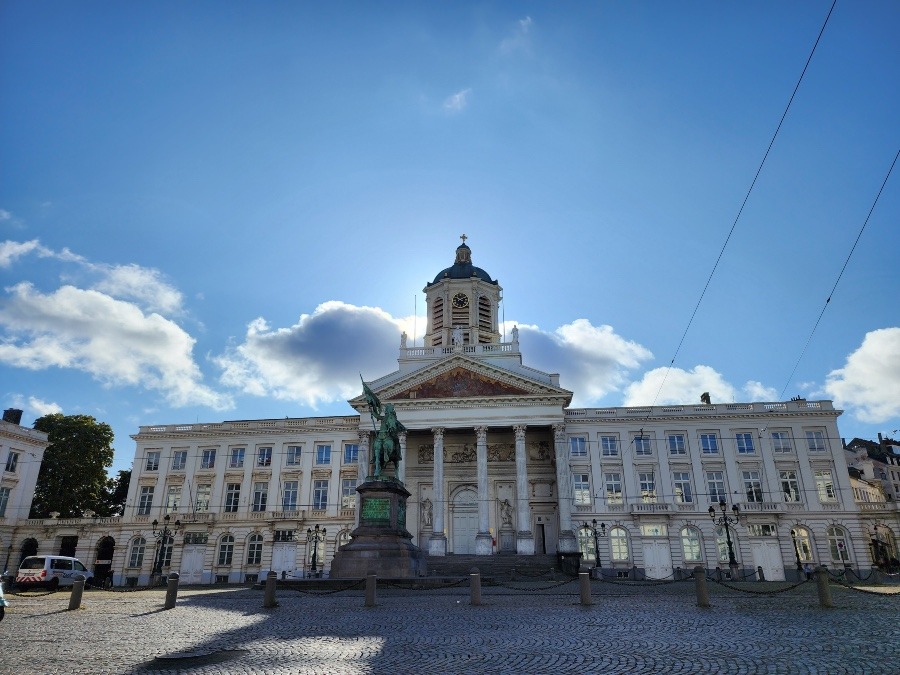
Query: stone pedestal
381	544
484	543
525	543
507	540
437	544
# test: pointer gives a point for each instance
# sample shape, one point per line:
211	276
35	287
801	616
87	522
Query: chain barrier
536	575
863	590
355	584
26	594
460	582
846	573
752	592
669	579
531	588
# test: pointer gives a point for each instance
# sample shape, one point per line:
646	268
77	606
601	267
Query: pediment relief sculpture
460	383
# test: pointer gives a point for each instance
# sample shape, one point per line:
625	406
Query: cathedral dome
463	268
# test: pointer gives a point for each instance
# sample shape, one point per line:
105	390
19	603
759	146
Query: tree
114	495
72	478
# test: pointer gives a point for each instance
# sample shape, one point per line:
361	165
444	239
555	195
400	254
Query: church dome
463	268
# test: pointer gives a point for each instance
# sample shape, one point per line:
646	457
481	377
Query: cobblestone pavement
519	628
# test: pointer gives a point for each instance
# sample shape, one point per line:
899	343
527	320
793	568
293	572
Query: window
320	494
613	488
208	461
715	486
722	544
293	455
825	486
801	537
577	446
152	461
752	486
586	544
232	497
12	461
351	453
648	486
654	530
609	446
642	446
781	441
323	454
145	500
204	493
138	547
260	495
582	485
284	535
618	544
761	530
226	550
4	500
348	493
264	457
837	543
195	538
173	498
289	495
236	461
681	482
744	442
179	460
790	486
709	444
254	549
690	544
167	547
676	444
815	441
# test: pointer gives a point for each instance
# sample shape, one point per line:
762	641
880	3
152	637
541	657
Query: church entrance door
464	526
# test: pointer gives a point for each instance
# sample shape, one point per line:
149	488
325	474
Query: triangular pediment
460	382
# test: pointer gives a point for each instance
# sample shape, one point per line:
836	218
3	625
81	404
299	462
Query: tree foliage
73	477
115	494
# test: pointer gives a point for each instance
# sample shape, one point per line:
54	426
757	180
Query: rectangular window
582	486
254	550
232	497
12	461
790	486
137	552
284	535
179	460
709	444
577	446
236	460
260	495
825	486
613	488
655	530
609	446
676	444
293	455
752	486
208	461
264	457
226	551
781	441
647	483
323	454
642	446
289	492
815	441
744	442
320	493
348	493
204	494
715	486
681	481
173	498
351	453
152	461
145	501
761	530
4	500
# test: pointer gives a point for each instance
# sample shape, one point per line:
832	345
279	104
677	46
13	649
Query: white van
52	571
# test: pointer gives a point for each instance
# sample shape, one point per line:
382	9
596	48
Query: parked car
3	603
51	571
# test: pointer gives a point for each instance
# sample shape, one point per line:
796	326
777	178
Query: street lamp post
597	535
726	521
797	554
163	535
315	537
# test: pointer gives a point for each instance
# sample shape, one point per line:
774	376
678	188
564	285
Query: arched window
29	547
586	543
254	549
226	550
343	538
690	544
804	543
722	544
168	545
837	542
618	543
136	557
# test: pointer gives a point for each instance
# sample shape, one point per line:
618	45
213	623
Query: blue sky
227	210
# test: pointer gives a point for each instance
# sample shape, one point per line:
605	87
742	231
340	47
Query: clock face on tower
460	300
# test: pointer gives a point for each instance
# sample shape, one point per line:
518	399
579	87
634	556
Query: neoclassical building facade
497	463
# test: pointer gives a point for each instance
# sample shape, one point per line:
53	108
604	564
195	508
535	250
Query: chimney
12	416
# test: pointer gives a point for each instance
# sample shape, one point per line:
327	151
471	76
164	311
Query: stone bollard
475	586
512	574
552	575
171	591
269	597
584	582
371	589
77	590
702	589
823	588
760	573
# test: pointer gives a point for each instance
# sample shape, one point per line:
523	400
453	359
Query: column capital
438	433
363	437
519	429
559	432
481	433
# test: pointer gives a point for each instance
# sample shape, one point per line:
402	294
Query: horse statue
386	447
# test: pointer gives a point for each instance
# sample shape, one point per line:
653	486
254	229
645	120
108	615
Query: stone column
401	466
524	536
437	544
362	466
483	540
567	541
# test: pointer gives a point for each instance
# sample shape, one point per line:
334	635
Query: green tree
114	494
73	477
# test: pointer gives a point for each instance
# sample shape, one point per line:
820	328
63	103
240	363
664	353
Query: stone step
498	566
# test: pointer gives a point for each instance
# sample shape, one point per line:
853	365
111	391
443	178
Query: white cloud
41	408
869	382
112	340
757	391
457	102
142	284
10	251
678	387
520	38
5	215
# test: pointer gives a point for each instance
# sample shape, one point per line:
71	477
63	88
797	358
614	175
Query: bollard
760	573
584	582
269	597
77	590
371	589
512	574
552	577
702	589
823	587
475	586
171	591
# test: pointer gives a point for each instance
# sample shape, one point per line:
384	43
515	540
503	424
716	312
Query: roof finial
463	237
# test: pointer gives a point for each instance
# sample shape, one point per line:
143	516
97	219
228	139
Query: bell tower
462	304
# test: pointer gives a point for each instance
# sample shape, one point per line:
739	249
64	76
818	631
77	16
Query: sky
229	210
